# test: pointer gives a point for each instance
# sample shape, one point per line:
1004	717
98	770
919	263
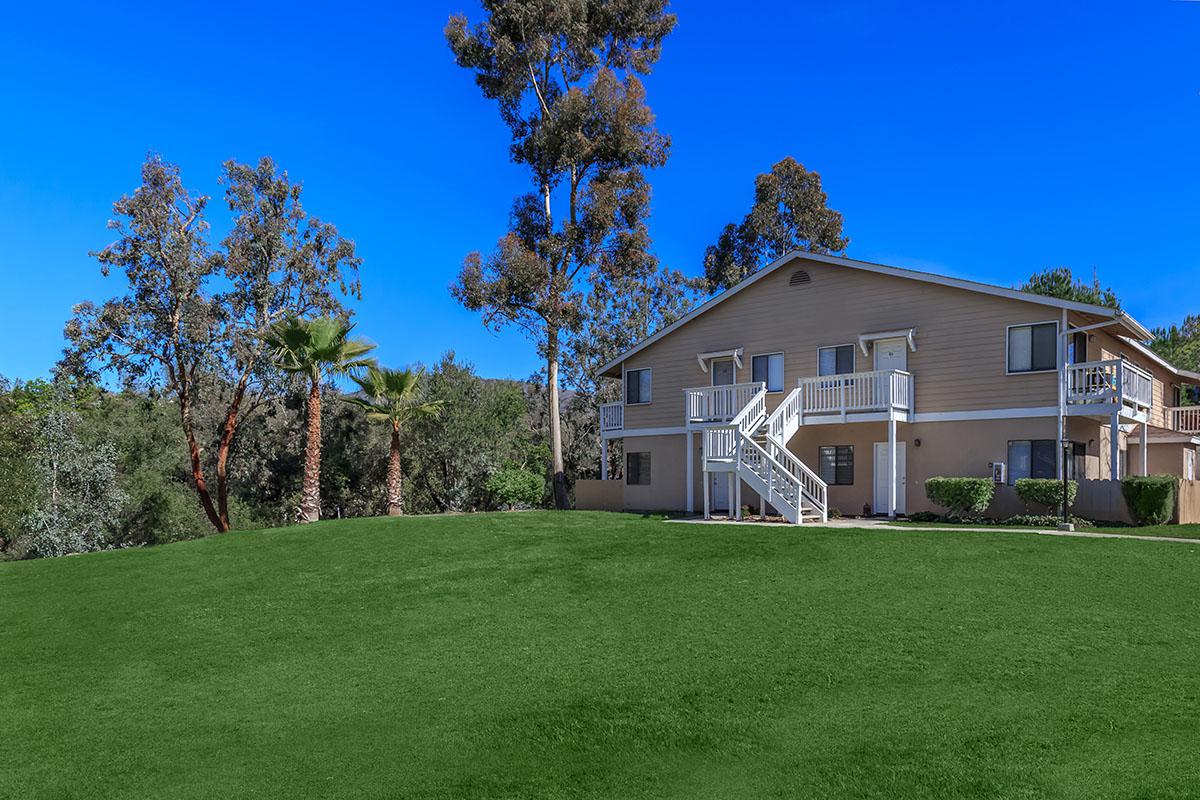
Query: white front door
724	372
883	473
719	488
891	354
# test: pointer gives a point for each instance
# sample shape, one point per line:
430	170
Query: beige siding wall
666	490
960	362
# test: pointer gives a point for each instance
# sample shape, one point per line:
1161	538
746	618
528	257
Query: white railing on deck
856	392
721	441
1185	419
718	403
612	417
1112	381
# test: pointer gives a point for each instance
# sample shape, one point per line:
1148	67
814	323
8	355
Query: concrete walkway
882	525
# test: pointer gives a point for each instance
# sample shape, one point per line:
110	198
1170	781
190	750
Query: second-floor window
637	386
1033	348
835	360
768	369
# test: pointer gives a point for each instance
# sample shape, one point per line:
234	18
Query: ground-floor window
637	469
837	464
1037	458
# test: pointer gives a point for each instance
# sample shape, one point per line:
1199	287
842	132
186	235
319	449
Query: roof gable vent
799	278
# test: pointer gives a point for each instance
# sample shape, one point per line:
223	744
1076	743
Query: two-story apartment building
823	383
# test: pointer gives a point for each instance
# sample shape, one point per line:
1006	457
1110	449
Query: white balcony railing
612	417
718	403
1112	382
856	392
1185	419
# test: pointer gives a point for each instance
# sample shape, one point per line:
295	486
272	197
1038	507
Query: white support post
762	507
892	466
704	476
729	494
1114	448
737	481
1145	448
691	480
603	459
1063	357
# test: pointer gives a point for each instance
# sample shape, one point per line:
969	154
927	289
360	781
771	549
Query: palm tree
317	348
393	396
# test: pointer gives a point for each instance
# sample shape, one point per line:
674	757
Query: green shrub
924	516
961	497
514	487
1046	492
1044	521
1151	498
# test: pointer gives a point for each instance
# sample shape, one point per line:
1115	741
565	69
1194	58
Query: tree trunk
197	464
227	432
561	499
395	501
310	494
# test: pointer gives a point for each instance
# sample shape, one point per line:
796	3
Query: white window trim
712	372
779	353
1058	356
853	351
625	386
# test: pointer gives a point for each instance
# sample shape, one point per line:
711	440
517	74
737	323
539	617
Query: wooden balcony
856	396
1101	387
612	417
1185	419
717	404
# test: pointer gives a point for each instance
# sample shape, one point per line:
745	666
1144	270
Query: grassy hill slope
594	655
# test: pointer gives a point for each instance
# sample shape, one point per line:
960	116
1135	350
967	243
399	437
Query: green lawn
591	655
1174	531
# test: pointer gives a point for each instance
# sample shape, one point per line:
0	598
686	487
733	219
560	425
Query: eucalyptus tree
565	78
162	333
393	396
279	262
201	343
790	212
315	349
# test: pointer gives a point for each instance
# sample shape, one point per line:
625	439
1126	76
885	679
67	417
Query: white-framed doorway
883	473
724	372
718	487
891	354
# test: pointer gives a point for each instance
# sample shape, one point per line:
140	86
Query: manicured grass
592	655
1175	531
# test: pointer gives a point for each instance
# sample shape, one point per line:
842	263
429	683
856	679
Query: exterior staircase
753	447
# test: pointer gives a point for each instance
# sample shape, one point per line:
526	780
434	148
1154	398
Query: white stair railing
780	426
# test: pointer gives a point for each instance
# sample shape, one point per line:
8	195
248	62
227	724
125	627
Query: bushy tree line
86	468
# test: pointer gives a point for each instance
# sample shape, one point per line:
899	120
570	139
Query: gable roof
1132	325
1162	362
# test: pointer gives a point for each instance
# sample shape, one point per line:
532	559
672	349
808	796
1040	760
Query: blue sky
983	140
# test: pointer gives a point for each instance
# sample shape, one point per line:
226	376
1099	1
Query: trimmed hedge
962	497
1047	492
1151	498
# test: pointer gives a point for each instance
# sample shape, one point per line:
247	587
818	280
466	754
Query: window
637	469
1032	348
837	465
835	360
637	387
1037	458
768	369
